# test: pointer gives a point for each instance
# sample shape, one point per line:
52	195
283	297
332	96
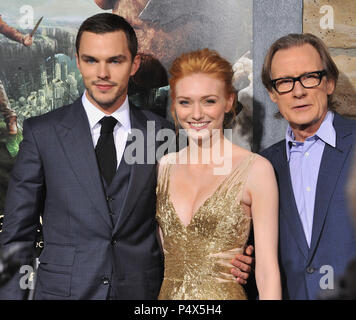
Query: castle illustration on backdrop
43	77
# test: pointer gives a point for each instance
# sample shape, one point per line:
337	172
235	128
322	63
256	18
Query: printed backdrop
334	21
43	77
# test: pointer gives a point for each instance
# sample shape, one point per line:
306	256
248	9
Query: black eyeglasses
308	80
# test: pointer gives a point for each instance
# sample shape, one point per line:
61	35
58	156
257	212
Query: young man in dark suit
74	169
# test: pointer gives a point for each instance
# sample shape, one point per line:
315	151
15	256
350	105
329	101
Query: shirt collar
122	114
326	133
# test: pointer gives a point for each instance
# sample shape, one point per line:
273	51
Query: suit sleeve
23	206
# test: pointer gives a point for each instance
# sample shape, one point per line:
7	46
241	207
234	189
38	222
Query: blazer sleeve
23	206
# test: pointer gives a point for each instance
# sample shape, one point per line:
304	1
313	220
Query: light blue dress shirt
304	162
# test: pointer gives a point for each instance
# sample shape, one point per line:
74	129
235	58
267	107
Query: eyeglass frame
321	74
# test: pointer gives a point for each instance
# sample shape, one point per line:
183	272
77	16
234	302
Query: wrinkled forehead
304	50
296	60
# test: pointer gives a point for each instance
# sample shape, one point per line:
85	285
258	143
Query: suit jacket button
113	241
310	270
105	280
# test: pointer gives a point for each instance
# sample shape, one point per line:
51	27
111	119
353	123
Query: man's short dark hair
297	40
105	23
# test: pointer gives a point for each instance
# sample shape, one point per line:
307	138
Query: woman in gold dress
209	192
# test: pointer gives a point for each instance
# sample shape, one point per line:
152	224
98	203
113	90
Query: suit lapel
288	206
331	164
139	172
75	136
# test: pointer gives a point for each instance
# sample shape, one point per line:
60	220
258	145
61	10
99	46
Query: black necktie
105	149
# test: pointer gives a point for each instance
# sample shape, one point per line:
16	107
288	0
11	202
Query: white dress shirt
121	130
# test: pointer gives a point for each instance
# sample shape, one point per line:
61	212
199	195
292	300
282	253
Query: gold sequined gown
197	256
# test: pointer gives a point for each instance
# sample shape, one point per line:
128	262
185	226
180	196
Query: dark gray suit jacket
56	176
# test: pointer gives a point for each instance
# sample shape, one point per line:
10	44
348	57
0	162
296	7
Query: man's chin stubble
106	104
305	126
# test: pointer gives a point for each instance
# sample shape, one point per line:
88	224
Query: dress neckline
215	191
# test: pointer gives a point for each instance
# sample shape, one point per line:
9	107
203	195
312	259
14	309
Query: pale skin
201	103
304	109
105	62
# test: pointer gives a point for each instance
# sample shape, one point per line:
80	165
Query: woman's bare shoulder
261	173
262	164
169	158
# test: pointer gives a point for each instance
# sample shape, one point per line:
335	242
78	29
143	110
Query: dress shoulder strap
237	178
164	173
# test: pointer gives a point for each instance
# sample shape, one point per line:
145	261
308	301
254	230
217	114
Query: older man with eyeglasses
317	238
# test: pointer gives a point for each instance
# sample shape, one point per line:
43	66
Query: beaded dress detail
197	256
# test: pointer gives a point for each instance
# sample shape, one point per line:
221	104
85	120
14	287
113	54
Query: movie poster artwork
43	76
334	21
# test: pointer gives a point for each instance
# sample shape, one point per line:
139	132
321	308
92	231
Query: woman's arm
262	189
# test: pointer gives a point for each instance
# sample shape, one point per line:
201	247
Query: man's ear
77	61
330	86
273	95
135	64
